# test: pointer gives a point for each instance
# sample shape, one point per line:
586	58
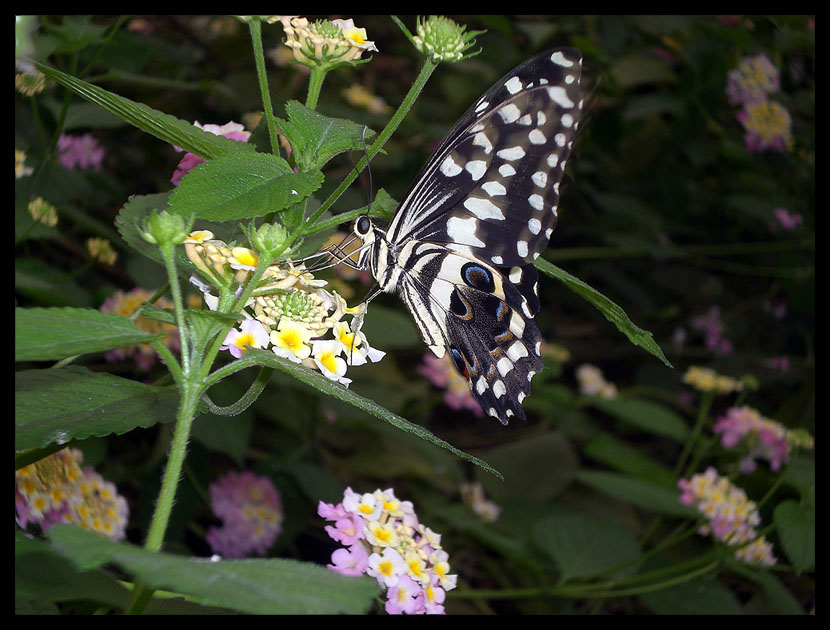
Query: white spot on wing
463	231
494	188
483	141
561	60
513	85
513	153
483	209
536	137
449	167
509	113
534	225
476	168
559	96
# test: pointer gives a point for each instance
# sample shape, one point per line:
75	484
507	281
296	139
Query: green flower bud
270	240
163	228
441	39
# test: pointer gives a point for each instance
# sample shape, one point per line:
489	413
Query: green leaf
45	334
42	575
518	460
637	69
623	458
48	285
777	594
645	415
611	311
129	223
72	402
696	597
326	386
260	586
234	187
584	547
177	132
642	493
315	138
796	524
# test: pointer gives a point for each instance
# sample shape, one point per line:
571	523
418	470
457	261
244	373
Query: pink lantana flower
352	561
232	130
80	152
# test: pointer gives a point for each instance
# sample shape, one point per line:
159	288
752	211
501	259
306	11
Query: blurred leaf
84	116
695	597
621	457
642	493
43	334
48	285
73	403
130	221
801	475
520	461
775	591
611	311
321	383
645	415
43	575
796	525
390	328
635	70
233	187
315	138
177	132
261	586
584	547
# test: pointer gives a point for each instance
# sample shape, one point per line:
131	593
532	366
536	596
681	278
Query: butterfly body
459	251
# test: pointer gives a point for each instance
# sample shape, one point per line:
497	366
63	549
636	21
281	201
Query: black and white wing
481	210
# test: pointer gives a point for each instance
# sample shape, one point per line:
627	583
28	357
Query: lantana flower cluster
127	303
712	327
707	380
382	537
473	496
767	124
251	512
289	313
593	383
231	130
56	489
80	152
732	517
764	438
442	374
324	43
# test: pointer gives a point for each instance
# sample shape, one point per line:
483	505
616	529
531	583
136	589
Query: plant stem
168	255
191	390
427	69
315	85
262	76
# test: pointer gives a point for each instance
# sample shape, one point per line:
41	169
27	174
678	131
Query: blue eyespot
478	277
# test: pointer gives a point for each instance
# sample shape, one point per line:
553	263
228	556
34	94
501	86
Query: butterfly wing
481	210
491	189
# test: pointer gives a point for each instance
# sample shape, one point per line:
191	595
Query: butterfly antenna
368	169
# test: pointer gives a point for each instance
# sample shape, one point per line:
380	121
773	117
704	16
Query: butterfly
460	249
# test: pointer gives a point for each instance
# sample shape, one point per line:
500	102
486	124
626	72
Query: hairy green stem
262	77
417	87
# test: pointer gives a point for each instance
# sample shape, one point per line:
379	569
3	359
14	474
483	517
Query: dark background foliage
663	210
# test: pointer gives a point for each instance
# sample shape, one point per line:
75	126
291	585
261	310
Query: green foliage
666	219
